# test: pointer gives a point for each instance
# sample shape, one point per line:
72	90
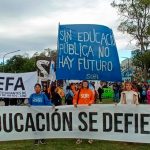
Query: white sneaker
90	141
79	141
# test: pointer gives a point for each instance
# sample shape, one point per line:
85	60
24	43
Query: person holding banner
100	92
116	89
56	98
83	96
60	91
39	99
69	96
128	96
46	92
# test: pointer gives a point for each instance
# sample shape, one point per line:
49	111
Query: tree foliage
135	20
24	63
142	58
18	64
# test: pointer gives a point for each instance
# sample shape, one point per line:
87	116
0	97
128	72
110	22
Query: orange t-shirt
86	96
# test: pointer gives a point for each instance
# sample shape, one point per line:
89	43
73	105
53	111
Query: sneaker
36	142
42	141
79	141
90	141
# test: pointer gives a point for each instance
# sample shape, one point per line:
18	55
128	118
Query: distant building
127	69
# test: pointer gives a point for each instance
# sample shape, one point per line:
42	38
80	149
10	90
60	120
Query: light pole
7	54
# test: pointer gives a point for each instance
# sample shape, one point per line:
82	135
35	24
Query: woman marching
84	96
128	96
39	99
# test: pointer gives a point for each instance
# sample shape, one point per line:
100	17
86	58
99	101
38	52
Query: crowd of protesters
141	89
59	94
85	93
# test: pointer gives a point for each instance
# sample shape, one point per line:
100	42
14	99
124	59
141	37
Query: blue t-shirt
39	100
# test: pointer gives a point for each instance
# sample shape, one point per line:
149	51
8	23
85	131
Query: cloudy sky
32	25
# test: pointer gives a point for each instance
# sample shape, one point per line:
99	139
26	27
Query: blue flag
87	52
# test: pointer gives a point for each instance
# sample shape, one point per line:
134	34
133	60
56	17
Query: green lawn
69	144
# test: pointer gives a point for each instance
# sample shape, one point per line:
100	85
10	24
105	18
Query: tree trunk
144	68
145	73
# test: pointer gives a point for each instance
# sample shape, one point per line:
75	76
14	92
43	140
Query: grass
69	144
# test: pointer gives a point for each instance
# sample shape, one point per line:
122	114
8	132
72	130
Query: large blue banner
87	52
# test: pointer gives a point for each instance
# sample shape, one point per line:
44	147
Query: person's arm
47	101
75	99
71	93
91	97
135	99
123	98
30	99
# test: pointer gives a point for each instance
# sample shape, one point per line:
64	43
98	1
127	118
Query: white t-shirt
130	97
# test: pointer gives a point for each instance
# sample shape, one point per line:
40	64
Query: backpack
69	99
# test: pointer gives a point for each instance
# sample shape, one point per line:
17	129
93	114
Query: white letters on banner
17	85
129	123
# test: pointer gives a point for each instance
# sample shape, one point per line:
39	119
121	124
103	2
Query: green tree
24	63
1	67
139	58
135	20
18	64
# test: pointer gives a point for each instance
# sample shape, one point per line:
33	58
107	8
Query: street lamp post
7	54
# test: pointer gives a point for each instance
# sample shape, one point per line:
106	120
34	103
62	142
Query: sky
32	25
